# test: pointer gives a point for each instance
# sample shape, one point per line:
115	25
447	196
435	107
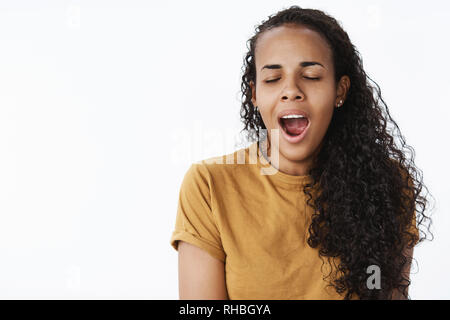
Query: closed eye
309	78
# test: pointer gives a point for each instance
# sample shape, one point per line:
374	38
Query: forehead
292	44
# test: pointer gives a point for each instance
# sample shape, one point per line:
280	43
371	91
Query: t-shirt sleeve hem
198	242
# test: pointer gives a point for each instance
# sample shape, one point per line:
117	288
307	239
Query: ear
252	85
342	89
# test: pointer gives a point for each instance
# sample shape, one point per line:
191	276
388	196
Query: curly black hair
370	192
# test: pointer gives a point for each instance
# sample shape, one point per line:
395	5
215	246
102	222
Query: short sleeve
195	222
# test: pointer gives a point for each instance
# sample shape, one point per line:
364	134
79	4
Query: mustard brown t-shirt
254	218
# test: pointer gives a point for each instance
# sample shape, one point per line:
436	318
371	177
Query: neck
291	167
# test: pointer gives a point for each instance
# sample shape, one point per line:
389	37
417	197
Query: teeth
292	116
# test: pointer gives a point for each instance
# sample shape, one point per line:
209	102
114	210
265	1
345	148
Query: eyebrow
302	64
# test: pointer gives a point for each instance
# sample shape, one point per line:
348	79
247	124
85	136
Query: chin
295	153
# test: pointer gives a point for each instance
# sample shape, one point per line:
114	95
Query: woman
335	217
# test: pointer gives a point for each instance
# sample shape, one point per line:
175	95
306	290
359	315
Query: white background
105	104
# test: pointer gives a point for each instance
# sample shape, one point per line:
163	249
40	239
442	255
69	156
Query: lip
293	139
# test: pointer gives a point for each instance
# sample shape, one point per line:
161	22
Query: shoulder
226	164
196	181
223	170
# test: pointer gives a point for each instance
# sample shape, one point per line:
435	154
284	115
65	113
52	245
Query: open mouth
293	125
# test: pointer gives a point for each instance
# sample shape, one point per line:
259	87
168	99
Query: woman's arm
200	275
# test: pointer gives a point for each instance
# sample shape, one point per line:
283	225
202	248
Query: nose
292	92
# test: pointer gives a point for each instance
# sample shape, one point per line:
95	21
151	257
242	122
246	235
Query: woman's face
289	48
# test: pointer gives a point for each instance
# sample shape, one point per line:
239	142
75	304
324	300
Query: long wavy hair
370	192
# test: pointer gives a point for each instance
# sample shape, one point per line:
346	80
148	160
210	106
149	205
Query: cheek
267	116
323	107
266	119
322	120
